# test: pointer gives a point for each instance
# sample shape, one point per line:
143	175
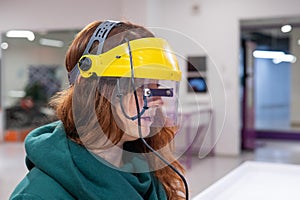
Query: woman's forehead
141	81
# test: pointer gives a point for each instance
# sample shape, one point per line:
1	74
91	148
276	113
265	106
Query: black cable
140	130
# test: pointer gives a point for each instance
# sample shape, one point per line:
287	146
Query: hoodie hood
80	173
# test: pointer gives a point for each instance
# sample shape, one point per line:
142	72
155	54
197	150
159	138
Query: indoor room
234	94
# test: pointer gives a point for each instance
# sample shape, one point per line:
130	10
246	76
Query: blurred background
242	76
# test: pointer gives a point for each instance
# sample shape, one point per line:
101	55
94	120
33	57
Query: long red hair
63	101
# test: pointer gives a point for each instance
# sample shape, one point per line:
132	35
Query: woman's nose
155	102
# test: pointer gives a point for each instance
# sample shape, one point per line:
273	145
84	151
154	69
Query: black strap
100	35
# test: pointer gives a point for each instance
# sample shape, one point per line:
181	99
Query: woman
110	122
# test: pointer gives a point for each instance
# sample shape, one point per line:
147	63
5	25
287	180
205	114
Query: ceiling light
20	34
267	54
285	58
286	28
277	56
51	42
4	45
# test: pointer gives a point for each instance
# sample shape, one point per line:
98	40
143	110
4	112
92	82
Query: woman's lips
146	119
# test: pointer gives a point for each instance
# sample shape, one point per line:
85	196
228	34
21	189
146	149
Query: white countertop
256	181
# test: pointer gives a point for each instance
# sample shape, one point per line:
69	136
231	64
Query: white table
256	181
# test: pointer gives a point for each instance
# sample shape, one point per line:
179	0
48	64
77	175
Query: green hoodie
62	169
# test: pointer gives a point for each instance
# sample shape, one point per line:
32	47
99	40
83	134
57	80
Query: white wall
215	26
39	15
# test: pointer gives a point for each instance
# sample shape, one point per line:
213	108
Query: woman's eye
153	86
141	87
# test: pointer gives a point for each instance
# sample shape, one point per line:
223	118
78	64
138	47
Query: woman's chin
145	131
134	134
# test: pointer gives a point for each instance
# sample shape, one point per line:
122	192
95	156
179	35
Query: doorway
269	89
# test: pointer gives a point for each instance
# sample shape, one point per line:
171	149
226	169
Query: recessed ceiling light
286	28
4	45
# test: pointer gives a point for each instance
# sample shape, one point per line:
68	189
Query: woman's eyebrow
152	84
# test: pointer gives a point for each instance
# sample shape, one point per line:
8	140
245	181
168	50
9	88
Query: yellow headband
152	59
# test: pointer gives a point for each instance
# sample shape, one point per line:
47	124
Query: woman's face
147	119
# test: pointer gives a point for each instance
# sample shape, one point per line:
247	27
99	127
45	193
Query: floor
12	167
202	173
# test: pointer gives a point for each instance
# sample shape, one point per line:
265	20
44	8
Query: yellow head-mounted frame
152	58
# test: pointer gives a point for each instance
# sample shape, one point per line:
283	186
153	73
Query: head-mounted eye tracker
158	92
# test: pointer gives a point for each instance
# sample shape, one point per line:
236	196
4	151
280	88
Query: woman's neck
113	155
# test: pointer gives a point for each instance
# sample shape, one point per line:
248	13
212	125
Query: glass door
270	79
